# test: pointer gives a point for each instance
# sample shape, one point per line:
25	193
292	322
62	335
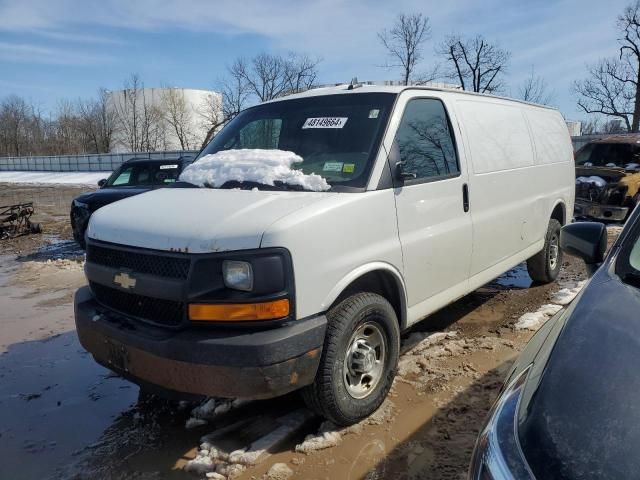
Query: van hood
197	220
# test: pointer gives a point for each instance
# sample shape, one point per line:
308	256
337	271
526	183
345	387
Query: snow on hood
251	165
597	181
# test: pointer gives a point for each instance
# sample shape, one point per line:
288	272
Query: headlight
237	275
78	204
498	455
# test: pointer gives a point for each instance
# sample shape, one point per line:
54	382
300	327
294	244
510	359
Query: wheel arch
379	277
559	212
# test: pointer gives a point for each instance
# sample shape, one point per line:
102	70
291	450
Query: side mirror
587	240
402	174
102	183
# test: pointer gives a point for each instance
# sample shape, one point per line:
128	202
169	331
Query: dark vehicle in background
608	177
133	177
569	407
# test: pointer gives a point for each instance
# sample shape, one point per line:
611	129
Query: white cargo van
312	231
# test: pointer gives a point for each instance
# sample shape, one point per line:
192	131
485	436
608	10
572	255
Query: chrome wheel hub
364	360
554	252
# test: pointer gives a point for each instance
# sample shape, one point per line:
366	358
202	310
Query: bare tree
178	117
590	126
404	44
139	120
477	64
629	26
611	86
96	122
609	90
264	77
534	89
267	76
14	118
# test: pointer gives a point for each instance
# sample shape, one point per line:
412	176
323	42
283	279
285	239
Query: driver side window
425	141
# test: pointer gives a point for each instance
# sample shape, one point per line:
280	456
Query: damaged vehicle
311	231
608	178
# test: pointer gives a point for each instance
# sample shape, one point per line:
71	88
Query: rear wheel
359	359
544	266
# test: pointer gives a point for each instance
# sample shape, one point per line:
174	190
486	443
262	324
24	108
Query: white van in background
312	231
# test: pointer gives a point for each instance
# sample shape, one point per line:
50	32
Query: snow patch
212	459
566	294
279	471
251	165
597	181
54	178
561	298
330	435
210	409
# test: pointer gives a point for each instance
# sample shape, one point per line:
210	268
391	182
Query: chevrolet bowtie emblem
124	280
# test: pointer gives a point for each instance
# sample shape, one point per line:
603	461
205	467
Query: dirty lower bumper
202	361
584	208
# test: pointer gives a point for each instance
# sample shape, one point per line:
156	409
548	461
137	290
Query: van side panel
517	176
500	186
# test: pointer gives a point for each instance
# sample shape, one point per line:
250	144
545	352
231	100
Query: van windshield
337	136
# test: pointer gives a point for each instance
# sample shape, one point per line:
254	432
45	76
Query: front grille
163	312
160	265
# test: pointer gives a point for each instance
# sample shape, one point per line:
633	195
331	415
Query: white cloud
29	53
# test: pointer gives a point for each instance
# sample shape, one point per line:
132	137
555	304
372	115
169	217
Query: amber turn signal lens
233	312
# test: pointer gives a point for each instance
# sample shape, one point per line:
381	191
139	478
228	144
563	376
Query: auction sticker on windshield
325	122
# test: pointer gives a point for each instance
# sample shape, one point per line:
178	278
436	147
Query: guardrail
102	162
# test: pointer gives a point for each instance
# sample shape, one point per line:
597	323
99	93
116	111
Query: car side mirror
102	183
402	174
586	240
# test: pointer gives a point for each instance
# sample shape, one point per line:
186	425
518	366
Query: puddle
515	278
54	400
55	249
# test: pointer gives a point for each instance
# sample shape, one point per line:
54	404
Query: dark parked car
133	177
569	408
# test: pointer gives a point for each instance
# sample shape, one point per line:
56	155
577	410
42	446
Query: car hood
196	220
105	196
583	419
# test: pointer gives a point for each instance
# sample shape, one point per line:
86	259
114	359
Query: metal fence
103	162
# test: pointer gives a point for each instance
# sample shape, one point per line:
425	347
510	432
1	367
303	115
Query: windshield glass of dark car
608	155
144	174
337	136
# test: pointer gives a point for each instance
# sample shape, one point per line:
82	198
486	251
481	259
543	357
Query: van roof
372	88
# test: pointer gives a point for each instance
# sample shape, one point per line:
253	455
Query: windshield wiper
249	185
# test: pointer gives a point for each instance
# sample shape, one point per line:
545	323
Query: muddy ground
63	416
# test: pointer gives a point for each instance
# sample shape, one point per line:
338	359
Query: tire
361	321
545	266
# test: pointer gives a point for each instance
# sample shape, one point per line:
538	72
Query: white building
148	119
575	128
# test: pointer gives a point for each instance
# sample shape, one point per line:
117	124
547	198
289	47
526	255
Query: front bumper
215	362
79	222
584	208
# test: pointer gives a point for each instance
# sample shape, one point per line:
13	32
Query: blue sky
52	49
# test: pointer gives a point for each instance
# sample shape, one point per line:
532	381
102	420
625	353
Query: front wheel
359	359
545	265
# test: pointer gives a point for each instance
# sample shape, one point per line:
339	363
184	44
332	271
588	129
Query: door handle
465	197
